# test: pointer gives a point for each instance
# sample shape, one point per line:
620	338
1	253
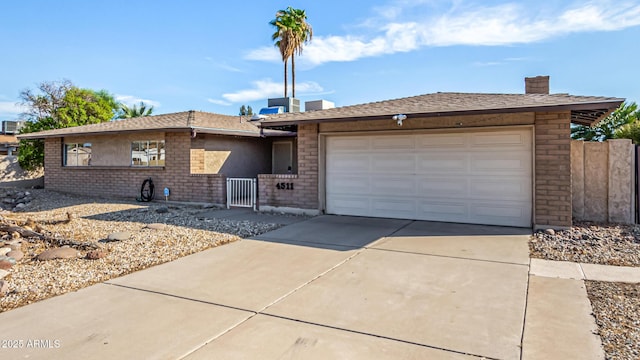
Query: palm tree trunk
293	76
285	78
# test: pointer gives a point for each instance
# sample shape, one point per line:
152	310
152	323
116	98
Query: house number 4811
284	186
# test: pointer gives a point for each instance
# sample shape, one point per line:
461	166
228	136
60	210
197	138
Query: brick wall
305	184
125	182
552	186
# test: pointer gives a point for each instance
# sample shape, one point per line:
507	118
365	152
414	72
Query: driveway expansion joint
380	336
447	256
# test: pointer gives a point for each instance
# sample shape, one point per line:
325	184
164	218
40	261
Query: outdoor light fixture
399	118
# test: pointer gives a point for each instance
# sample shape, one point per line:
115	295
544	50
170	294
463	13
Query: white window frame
156	162
76	146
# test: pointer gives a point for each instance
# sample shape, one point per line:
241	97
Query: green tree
292	32
246	110
59	105
626	114
135	111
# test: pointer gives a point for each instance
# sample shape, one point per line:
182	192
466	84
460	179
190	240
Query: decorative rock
3	273
550	232
4	288
162	210
5	265
8	258
15	235
58	253
20	206
4	250
119	236
156	226
96	254
16	254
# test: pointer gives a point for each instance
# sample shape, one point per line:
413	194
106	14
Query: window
77	154
147	153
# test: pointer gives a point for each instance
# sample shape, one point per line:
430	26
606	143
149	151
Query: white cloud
266	88
461	24
219	102
11	108
134	100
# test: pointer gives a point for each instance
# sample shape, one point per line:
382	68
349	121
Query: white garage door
482	177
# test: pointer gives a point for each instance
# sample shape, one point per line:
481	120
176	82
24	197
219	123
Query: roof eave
606	106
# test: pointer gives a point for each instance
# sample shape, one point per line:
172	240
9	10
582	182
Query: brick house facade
203	149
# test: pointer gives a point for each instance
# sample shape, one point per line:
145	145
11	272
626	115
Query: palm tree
135	111
302	34
292	32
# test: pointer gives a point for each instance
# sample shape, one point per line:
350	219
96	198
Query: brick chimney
536	85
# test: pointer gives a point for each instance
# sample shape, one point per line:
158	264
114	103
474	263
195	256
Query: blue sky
217	56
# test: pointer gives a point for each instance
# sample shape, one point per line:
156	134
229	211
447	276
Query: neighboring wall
603	181
125	181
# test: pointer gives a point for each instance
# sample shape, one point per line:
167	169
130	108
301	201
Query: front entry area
478	176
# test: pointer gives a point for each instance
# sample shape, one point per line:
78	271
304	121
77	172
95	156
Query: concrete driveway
328	287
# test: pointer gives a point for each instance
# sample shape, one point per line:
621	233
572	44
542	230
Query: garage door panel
483	177
398	208
393	186
501	163
501	140
348	204
505	191
441	210
349	184
350	143
441	164
398	163
442	142
513	214
349	163
392	142
443	187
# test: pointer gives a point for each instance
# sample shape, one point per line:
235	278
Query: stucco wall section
621	181
577	179
596	187
552	189
231	156
608	180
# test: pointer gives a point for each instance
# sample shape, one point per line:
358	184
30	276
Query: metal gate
241	192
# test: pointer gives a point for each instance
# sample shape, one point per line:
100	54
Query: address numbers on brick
284	186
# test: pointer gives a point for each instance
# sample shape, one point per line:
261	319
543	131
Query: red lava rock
5	265
96	254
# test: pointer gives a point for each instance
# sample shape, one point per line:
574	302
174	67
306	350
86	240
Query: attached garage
498	159
482	177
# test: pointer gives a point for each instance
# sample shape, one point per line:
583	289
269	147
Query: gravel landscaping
585	242
105	239
616	306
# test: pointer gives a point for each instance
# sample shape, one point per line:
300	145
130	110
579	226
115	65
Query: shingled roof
584	109
201	122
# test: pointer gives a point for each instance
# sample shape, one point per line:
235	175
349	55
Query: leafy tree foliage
57	105
246	110
617	125
292	32
135	111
